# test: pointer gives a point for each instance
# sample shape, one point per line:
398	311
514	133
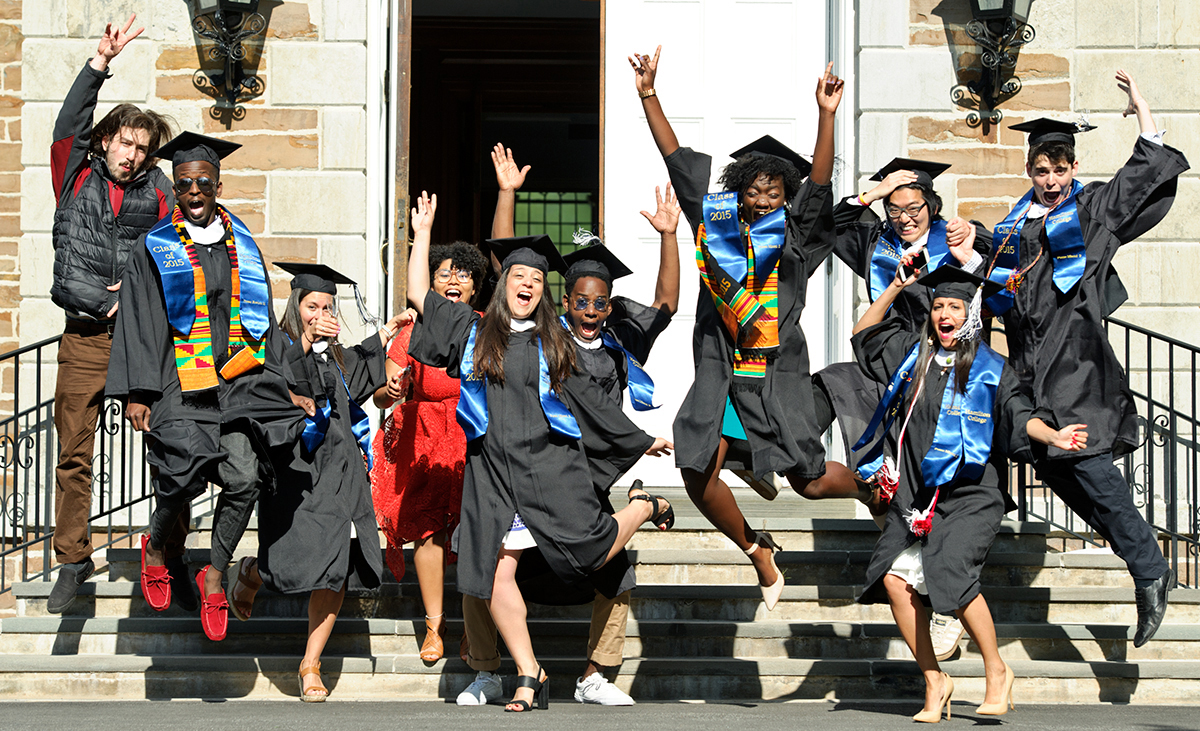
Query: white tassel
972	327
583	237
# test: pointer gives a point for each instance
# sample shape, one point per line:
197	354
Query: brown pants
82	369
606	638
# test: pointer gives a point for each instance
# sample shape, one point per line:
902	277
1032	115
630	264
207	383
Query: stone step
1054	604
704	678
564	637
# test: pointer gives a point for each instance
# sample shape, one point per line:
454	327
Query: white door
730	72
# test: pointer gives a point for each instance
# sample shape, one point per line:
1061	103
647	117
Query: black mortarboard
1052	130
951	281
768	146
926	170
192	147
314	277
538	252
595	260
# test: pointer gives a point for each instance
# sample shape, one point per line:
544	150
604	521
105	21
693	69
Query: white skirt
518	536
908	566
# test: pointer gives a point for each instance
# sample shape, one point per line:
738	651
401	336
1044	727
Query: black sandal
662	519
541	693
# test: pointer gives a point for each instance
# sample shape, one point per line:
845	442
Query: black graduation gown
782	435
968	512
304	523
521	466
185	429
1056	342
853	395
635	327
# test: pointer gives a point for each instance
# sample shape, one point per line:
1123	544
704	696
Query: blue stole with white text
641	386
888	248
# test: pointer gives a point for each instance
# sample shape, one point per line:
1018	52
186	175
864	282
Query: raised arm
1137	105
665	221
829	96
875	313
418	257
645	69
510	177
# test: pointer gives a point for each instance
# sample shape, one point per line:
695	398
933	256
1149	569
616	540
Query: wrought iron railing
29	450
1162	472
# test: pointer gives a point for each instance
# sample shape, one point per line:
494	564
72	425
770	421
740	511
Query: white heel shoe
770	593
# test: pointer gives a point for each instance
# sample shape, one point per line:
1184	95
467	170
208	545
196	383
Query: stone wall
299	183
910	54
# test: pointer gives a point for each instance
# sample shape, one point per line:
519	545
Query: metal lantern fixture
999	28
227	23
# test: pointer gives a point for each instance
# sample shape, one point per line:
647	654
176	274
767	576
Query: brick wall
10	172
299	183
910	59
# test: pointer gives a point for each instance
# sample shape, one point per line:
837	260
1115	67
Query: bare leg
716	502
323	607
913	622
429	558
508	611
977	618
629	519
838	481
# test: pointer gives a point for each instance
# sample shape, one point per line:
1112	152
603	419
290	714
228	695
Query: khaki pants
82	369
606	638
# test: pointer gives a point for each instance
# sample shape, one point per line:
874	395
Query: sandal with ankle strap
307	694
663	519
238	607
434	645
541	693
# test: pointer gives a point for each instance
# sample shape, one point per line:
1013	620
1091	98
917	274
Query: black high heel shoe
662	519
541	693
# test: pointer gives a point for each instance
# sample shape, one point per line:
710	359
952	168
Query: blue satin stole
179	286
1068	250
472	411
888	248
962	442
641	386
317	425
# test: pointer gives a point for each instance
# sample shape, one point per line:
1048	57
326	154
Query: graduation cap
594	259
951	281
1052	130
538	252
192	147
768	146
314	277
926	170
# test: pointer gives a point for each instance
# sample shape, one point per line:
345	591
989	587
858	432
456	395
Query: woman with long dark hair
957	413
536	432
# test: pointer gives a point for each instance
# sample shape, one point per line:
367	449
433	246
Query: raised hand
1126	84
508	175
960	237
894	180
422	215
112	42
829	90
644	69
666	217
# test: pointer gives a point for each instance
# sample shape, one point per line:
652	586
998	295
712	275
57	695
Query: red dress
420	453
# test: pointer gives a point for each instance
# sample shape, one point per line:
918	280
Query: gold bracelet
647	93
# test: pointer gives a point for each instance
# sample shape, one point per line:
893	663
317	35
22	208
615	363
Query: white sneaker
595	688
945	631
485	689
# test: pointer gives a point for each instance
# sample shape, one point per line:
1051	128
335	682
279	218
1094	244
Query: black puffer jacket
91	242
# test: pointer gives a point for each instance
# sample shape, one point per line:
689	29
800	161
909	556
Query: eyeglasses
912	210
600	303
206	185
462	275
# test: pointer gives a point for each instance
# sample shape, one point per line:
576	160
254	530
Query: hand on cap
893	180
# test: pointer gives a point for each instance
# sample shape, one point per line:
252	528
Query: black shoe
183	592
70	577
1152	607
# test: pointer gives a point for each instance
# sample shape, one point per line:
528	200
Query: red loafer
156	582
214	609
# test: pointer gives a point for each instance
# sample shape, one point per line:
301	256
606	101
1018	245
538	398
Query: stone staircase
697	630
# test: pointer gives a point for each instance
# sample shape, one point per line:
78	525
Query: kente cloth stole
1068	250
174	253
472	411
743	280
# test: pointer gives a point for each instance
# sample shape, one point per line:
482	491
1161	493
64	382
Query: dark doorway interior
532	83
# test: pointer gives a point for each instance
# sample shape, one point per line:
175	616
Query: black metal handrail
1163	471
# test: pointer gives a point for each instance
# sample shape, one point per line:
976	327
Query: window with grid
558	215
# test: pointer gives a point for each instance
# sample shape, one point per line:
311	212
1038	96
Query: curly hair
462	256
742	172
157	126
1054	150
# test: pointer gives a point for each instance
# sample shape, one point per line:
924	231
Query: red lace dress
419	453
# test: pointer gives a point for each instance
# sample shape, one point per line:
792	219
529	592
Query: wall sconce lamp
999	28
227	23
